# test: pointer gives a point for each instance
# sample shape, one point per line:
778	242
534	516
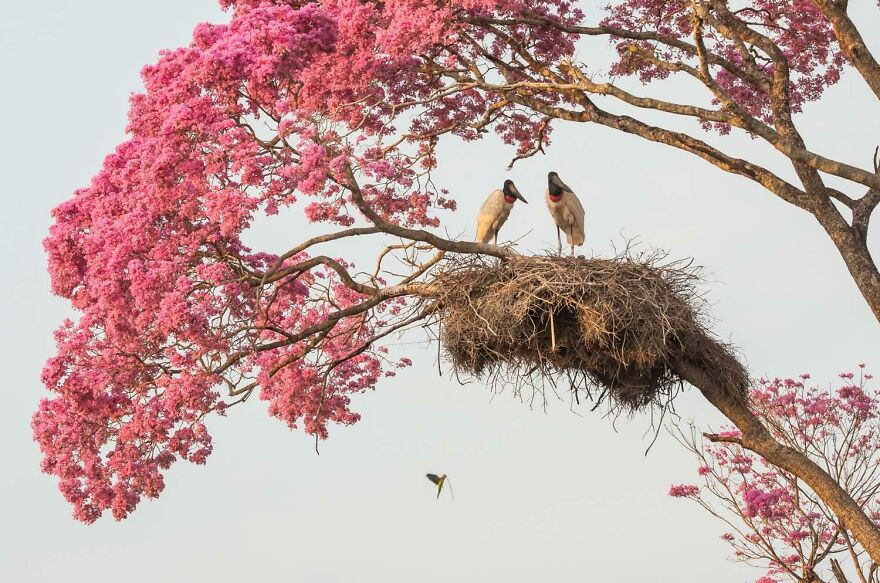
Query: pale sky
556	496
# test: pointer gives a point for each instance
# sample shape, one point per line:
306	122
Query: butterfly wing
434	478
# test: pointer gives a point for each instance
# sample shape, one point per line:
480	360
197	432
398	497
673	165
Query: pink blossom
763	503
796	535
683	490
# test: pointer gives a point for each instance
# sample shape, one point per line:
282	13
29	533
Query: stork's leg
559	239
495	237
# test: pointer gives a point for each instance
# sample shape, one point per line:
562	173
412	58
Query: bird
439	481
566	210
495	211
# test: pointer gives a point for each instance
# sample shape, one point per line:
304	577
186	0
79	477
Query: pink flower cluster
766	504
683	490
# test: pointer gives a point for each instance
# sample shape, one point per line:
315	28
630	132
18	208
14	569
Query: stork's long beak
517	194
556	180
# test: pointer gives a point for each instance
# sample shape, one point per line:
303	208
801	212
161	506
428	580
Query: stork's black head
511	192
555	185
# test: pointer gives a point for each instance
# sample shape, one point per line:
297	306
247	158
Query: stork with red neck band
566	211
495	210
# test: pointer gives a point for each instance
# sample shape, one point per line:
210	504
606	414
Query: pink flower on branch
683	490
781	520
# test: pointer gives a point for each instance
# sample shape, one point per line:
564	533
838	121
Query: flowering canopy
774	519
336	108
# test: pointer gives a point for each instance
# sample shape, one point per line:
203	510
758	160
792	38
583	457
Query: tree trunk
756	438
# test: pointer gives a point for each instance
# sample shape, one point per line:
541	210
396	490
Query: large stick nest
621	325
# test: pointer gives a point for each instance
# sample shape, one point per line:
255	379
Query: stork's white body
493	214
568	214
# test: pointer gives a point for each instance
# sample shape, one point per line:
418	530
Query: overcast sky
556	496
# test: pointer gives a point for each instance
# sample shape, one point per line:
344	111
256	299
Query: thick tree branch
865	206
852	43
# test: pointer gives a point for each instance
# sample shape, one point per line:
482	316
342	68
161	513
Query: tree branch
679	140
851	42
440	243
530	18
865	206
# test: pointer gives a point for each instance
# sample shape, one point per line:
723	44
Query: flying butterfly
440	481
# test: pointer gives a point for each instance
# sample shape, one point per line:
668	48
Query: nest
620	325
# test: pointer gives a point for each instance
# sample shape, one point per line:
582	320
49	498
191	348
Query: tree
337	108
772	518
